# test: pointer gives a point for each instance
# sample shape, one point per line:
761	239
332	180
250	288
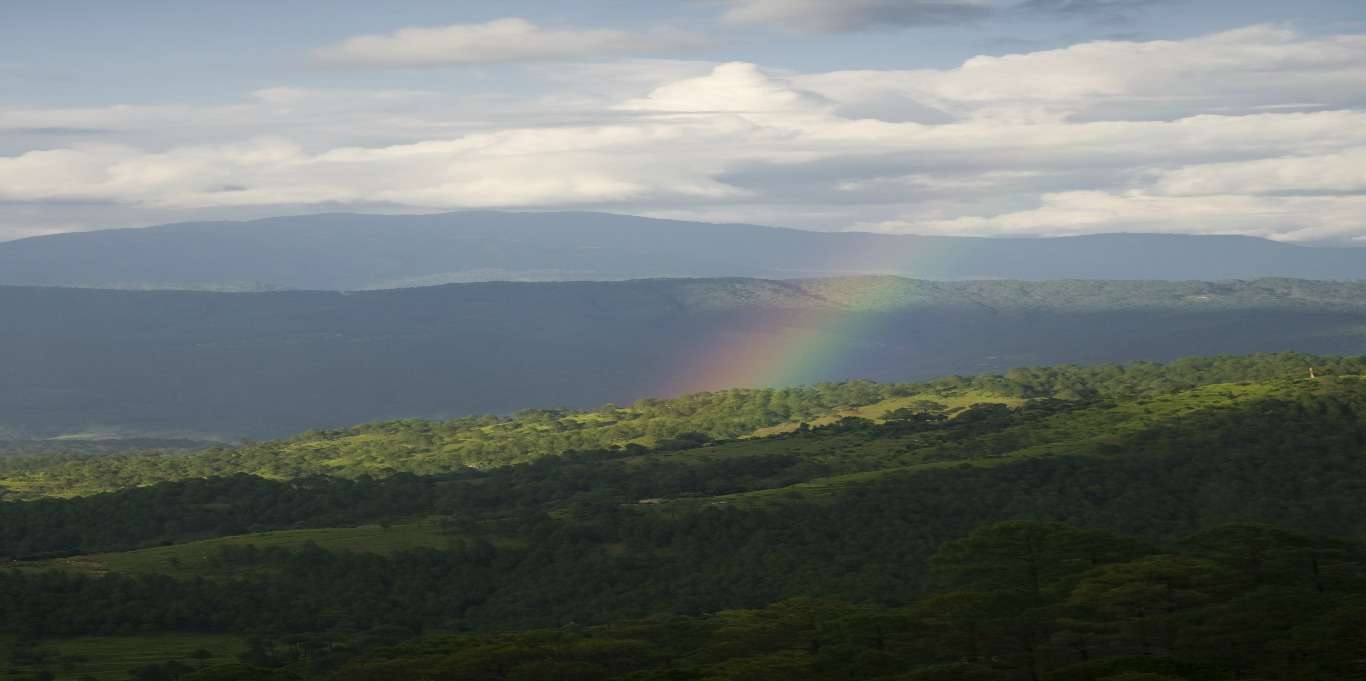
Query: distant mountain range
358	252
196	364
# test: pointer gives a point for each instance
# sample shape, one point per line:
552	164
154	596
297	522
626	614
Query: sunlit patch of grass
878	411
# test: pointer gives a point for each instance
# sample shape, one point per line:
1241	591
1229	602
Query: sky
956	117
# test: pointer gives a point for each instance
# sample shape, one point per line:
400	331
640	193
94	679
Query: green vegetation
197	559
1088	522
428	447
1017	600
114	658
947	401
432	447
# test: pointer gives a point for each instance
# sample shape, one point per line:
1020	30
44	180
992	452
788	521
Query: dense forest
483	442
1199	520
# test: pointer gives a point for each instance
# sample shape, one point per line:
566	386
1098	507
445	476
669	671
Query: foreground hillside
1071	523
214	365
353	252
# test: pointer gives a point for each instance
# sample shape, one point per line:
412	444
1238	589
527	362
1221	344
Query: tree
1145	598
1032	562
1262	554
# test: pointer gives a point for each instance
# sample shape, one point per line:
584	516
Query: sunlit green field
878	410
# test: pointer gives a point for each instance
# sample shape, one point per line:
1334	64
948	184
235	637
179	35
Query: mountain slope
267	364
738	422
353	252
978	546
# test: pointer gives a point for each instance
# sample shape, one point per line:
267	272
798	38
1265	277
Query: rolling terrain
196	365
353	252
992	527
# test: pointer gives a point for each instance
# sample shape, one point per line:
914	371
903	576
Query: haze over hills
190	364
355	252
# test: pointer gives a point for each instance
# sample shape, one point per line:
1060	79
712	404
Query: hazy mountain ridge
357	252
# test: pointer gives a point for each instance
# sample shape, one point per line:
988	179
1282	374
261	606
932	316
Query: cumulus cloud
735	87
501	40
1257	131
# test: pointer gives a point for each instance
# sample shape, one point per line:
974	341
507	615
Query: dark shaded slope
264	364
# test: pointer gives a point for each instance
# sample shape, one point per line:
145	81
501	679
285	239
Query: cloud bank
1257	131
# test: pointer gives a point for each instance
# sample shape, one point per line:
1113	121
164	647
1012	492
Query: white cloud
1203	135
735	87
524	167
501	40
1259	68
1090	212
1338	172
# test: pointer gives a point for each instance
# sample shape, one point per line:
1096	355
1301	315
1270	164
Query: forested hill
1198	521
350	252
226	365
489	442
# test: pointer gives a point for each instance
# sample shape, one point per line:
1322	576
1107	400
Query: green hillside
428	447
1060	523
434	447
198	558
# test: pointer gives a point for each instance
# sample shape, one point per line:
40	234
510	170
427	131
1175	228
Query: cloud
825	16
736	87
1255	131
501	40
1258	68
309	116
1331	173
1090	212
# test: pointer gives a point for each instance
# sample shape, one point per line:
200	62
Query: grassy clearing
109	658
877	411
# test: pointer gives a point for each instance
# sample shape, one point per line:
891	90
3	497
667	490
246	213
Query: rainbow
793	346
